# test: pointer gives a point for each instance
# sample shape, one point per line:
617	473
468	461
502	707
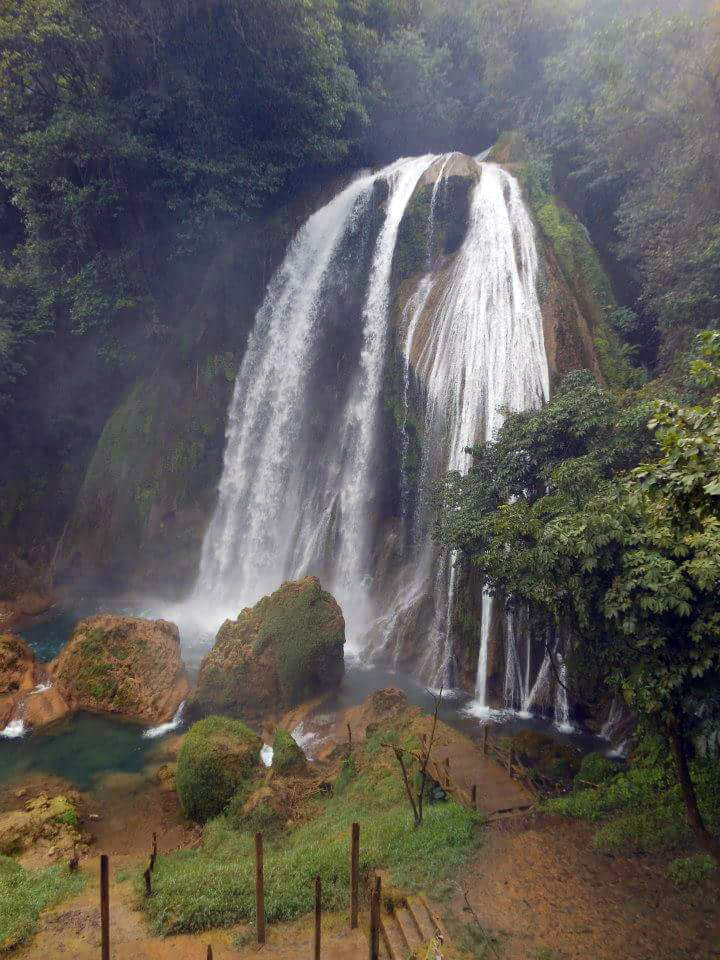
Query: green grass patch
25	893
688	872
640	808
215	886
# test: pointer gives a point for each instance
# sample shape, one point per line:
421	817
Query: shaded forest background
136	136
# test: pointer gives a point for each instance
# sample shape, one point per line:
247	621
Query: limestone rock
43	818
17	674
286	649
123	665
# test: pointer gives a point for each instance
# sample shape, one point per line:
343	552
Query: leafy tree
625	564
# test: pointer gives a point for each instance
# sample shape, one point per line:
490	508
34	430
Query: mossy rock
123	665
287	755
218	757
287	648
553	760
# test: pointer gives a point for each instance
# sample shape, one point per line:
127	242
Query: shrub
217	756
348	772
594	770
691	871
287	755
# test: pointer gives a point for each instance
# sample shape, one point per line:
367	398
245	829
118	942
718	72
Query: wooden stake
447	772
148	881
259	888
484	740
105	906
354	875
154	849
349	730
473	796
375	898
209	953
318	918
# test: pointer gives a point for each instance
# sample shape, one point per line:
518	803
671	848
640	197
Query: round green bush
217	756
287	755
594	770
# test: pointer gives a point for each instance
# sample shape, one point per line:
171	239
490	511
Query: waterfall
288	501
300	491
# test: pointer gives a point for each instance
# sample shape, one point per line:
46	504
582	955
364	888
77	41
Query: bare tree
405	759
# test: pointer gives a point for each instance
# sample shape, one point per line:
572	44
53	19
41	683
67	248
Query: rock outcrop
124	666
51	819
285	649
17	674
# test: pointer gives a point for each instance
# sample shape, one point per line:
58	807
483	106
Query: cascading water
287	503
299	492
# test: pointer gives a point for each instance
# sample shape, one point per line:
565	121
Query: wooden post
105	907
354	876
484	741
318	919
473	796
209	953
375	898
447	772
148	881
259	888
510	759
154	849
349	730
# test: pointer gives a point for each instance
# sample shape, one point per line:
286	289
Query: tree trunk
707	841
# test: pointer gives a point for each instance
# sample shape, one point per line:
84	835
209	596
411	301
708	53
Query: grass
215	886
25	893
640	809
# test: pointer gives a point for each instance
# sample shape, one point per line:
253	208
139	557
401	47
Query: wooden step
410	933
392	938
422	919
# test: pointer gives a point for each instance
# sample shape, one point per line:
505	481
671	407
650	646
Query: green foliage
594	770
303	626
348	772
215	886
688	872
217	757
641	808
287	755
25	893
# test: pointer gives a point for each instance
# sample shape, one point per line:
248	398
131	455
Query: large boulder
17	672
54	819
218	757
286	649
123	665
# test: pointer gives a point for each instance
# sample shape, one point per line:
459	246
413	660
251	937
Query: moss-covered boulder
217	759
287	755
285	649
17	667
123	665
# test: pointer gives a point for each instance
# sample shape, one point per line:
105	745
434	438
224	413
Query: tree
624	563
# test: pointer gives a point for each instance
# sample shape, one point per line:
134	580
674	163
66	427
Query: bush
25	893
594	770
691	871
287	755
348	772
217	756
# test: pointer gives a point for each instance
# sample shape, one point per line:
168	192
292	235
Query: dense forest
135	137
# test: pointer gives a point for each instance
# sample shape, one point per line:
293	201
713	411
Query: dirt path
543	891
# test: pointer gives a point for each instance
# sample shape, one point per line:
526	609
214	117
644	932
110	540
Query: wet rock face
286	649
17	668
123	665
